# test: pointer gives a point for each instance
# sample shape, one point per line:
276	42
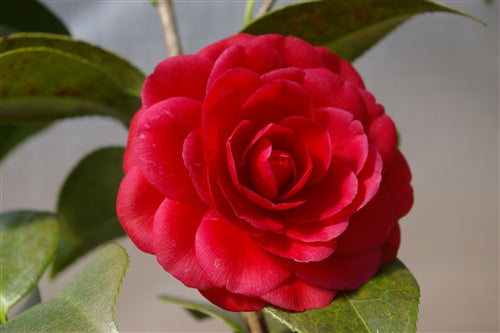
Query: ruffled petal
183	75
233	302
136	205
174	230
334	63
297	295
321	231
159	146
369	228
391	247
297	250
349	142
232	260
214	50
275	101
192	154
341	273
128	156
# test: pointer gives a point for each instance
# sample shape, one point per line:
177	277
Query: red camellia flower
260	171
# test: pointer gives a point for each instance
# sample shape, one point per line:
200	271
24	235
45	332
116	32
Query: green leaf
213	312
86	206
120	71
85	304
13	134
28	242
41	84
348	28
28	15
386	303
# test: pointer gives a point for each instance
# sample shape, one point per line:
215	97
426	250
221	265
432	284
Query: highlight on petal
232	260
233	302
162	130
136	206
175	227
321	231
194	160
297	295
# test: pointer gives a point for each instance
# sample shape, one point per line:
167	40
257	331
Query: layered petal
161	132
297	295
233	302
232	260
136	207
174	229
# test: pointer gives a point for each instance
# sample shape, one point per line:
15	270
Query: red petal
184	75
275	101
317	141
288	73
341	273
175	226
382	133
369	228
297	295
232	260
301	54
340	66
136	205
349	142
233	302
214	50
397	179
321	231
128	157
193	157
336	191
390	248
159	146
287	247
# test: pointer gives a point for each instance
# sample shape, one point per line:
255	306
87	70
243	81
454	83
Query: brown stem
167	18
266	6
255	322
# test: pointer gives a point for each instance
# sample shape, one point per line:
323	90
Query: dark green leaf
85	304
40	84
13	134
348	28
124	74
86	207
28	15
213	312
386	303
28	243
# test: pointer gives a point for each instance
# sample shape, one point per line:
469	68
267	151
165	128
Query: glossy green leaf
386	303
85	304
201	311
86	206
43	84
28	15
120	71
348	28
28	242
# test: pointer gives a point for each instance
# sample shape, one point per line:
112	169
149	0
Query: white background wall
437	76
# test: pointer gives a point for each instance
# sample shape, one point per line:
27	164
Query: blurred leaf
386	303
123	73
203	311
12	134
28	243
86	207
43	84
85	304
28	15
348	28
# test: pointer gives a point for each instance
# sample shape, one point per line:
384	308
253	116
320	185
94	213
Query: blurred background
438	78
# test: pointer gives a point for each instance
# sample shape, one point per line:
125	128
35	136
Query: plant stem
167	18
248	11
265	7
255	322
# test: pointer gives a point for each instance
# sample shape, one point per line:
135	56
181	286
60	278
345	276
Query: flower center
282	165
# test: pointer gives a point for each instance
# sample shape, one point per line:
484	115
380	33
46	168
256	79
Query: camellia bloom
260	171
